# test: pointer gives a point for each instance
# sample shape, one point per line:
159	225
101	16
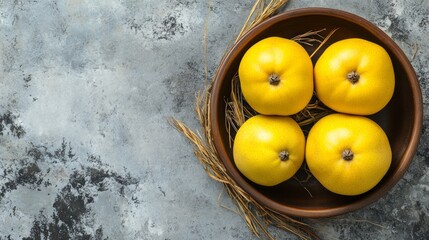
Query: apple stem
284	155
353	77
347	154
274	79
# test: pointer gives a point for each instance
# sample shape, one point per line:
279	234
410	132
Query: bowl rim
409	150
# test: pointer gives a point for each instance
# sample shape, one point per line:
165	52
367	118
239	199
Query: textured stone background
86	152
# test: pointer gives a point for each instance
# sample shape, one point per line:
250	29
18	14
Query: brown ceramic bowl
401	119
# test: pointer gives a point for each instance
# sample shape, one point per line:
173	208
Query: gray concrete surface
86	152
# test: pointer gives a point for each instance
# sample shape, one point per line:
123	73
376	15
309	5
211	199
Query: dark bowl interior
401	119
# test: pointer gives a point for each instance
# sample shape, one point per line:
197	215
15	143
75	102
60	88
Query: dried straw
257	217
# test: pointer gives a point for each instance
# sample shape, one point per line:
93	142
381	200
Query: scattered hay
256	216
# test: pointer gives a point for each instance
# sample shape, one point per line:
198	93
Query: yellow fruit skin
376	83
257	146
334	133
287	59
